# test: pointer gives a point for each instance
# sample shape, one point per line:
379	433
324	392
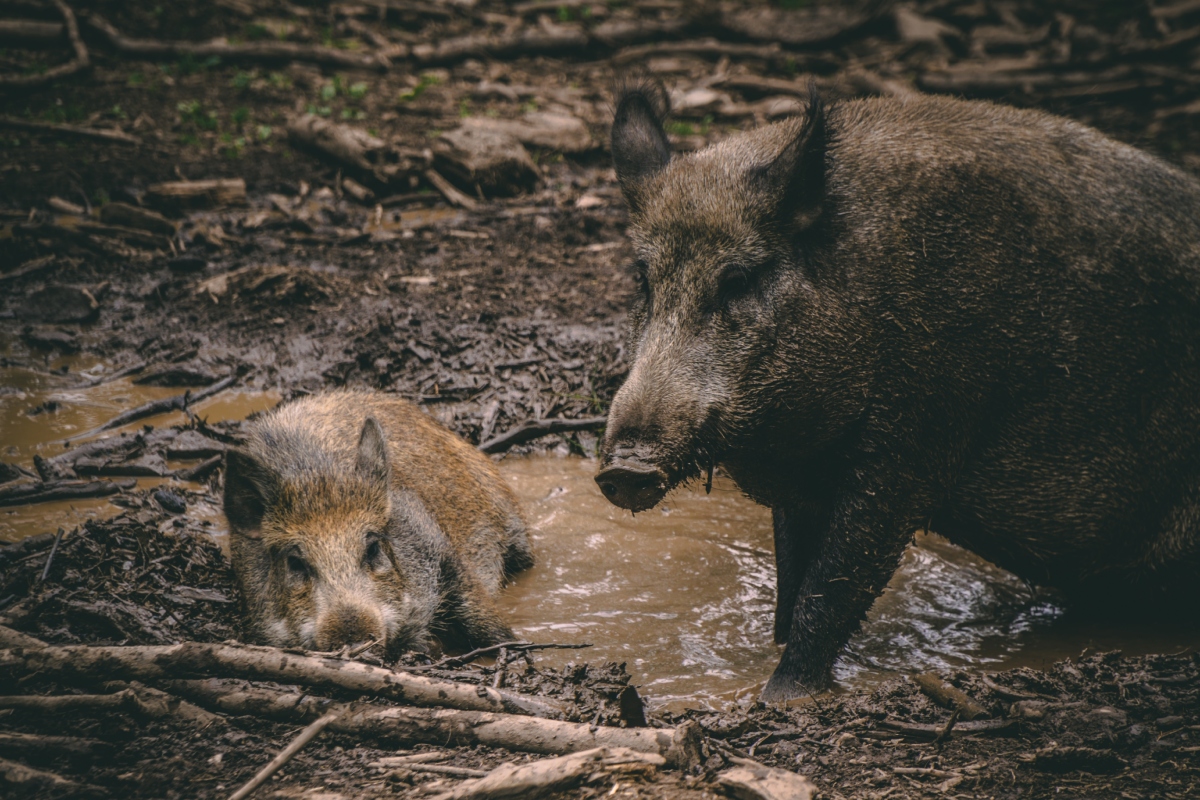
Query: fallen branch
159	662
28	493
140	700
552	774
201	471
210	193
446	727
750	780
351	147
33	744
264	774
932	732
948	696
519	647
36	782
536	428
453	196
29	33
266	52
74	131
179	402
81	60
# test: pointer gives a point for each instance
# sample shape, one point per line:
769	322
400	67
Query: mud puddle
42	409
685	595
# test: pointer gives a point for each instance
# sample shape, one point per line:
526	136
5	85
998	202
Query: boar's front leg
858	553
797	533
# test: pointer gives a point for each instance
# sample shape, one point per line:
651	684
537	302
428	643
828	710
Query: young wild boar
886	315
354	516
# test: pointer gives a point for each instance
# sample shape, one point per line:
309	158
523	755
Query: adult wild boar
356	517
884	315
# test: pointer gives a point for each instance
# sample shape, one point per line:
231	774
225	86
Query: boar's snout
348	625
631	483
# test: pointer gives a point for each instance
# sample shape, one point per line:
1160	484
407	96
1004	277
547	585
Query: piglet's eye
374	558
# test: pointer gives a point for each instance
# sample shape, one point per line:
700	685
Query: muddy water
684	594
41	409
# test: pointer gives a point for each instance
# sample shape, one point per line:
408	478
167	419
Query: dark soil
489	318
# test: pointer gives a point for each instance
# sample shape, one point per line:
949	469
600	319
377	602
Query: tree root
81	61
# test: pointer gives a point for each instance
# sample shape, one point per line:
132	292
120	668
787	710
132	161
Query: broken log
402	725
752	781
198	194
159	662
71	131
27	493
932	732
263	52
179	402
346	145
552	774
295	746
950	696
536	428
35	782
80	61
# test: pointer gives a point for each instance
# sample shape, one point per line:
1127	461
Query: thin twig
50	558
297	744
536	428
179	402
101	134
79	62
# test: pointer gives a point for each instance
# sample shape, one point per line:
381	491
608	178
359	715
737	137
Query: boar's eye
733	282
297	566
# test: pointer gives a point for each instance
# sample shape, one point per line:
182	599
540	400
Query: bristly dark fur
893	314
626	86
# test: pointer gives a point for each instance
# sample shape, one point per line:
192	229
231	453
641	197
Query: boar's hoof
632	484
783	687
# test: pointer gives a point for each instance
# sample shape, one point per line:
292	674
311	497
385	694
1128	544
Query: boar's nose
633	484
347	625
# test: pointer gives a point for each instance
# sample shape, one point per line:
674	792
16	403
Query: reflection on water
685	594
40	410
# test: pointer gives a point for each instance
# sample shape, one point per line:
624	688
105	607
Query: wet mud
488	318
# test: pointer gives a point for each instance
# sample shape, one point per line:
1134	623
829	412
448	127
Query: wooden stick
931	732
37	744
38	782
536	428
79	62
446	769
158	662
297	744
60	490
552	774
179	402
949	696
271	52
453	196
99	134
442	726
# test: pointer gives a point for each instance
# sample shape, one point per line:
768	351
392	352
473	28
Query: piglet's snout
348	625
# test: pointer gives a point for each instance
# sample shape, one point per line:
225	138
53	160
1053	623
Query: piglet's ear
796	177
639	143
372	463
250	488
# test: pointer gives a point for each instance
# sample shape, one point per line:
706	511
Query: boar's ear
639	143
796	178
372	462
250	487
